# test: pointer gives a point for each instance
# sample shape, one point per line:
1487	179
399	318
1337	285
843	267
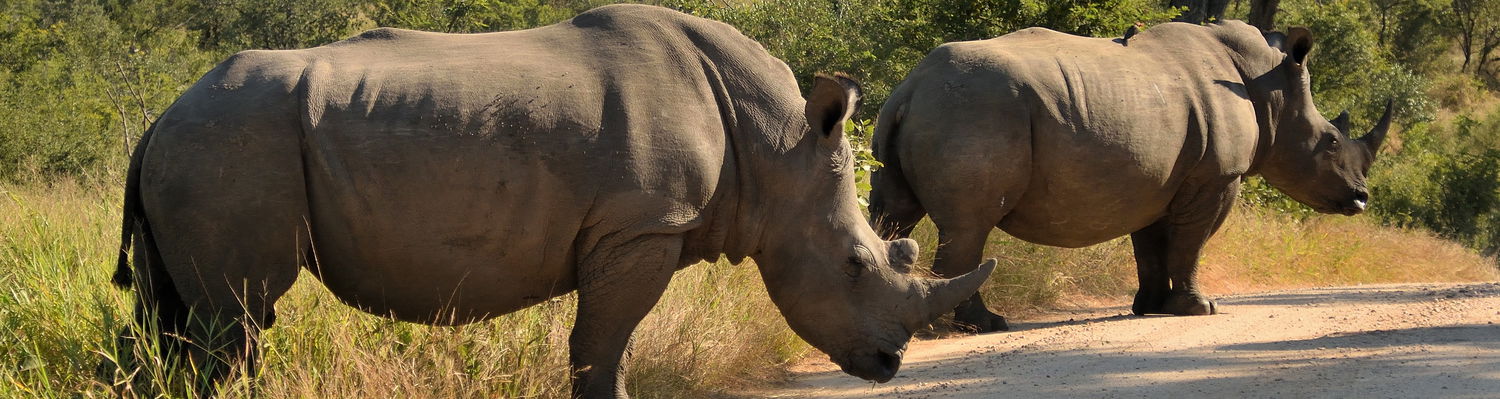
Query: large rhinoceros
446	179
1070	141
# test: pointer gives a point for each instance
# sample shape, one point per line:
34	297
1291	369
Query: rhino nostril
1362	196
888	361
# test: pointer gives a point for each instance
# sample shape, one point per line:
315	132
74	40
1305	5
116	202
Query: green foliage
860	132
1255	191
81	86
1349	68
1446	180
879	41
467	15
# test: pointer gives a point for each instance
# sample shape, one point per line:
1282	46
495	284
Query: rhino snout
879	365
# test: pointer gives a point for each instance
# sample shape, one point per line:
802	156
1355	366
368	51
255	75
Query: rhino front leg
1150	246
618	284
1192	224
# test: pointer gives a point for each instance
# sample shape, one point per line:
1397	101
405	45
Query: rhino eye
861	260
854	266
1333	143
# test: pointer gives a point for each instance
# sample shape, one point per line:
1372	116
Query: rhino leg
226	215
959	250
1193	220
618	284
208	343
1150	264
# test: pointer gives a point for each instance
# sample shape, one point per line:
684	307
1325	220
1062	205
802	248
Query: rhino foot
1148	302
1189	304
973	317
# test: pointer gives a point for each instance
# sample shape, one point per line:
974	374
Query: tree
1263	14
1200	11
1477	23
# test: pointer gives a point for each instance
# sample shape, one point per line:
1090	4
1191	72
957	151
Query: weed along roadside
82	83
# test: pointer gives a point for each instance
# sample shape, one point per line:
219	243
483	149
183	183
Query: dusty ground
1396	341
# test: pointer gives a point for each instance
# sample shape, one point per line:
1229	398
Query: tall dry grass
714	331
1256	250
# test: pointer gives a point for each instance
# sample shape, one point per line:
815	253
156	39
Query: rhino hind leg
227	230
894	208
195	349
959	250
618	284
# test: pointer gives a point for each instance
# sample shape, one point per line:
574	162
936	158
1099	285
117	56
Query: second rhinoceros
1070	141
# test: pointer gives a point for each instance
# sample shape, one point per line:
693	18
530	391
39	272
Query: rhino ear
832	101
1277	40
1298	44
1342	123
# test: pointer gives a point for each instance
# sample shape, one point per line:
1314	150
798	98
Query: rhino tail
132	214
894	208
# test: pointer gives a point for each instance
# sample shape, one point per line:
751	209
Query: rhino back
1111	131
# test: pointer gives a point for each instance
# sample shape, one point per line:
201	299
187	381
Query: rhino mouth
1356	205
1347	207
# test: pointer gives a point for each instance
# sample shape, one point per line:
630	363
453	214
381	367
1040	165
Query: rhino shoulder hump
627	16
251	66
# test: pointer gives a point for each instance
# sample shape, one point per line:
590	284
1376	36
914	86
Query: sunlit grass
1256	249
714	331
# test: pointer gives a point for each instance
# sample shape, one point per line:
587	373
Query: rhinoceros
1070	141
447	179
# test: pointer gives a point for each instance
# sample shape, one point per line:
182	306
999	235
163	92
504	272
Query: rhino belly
1087	211
453	234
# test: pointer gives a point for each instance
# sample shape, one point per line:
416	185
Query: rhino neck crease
724	231
1257	64
1267	113
762	110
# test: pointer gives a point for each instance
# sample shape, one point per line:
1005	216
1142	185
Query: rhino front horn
1377	134
945	294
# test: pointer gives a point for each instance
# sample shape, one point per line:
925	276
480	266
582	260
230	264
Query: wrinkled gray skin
1070	141
447	179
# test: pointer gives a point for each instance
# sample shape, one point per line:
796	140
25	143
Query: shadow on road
1481	337
1365	295
1103	355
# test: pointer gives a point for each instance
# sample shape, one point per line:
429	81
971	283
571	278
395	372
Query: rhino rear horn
1342	122
1377	134
945	294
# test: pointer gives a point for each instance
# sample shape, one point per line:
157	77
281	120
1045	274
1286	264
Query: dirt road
1396	341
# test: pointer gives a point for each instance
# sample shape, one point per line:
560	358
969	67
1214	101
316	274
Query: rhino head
840	286
1312	159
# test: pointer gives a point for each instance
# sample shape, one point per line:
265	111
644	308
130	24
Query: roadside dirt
1382	341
